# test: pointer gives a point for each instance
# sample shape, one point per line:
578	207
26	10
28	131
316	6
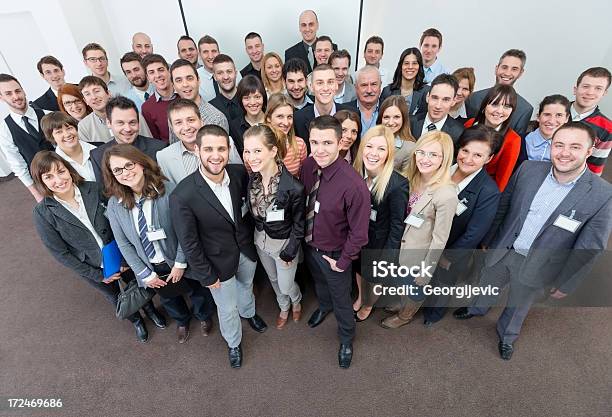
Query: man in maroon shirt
337	216
155	109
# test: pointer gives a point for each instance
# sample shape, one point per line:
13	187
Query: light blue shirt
367	123
433	71
538	147
545	202
139	97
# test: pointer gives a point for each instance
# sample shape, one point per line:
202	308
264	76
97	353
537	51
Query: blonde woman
272	73
389	197
429	216
279	115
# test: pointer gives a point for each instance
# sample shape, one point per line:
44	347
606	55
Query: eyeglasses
119	171
428	155
93	60
71	103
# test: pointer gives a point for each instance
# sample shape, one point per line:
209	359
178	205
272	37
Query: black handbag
131	299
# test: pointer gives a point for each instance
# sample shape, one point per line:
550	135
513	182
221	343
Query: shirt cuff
26	179
343	262
149	278
180	265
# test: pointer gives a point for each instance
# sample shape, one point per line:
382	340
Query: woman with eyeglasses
139	214
71	222
429	216
71	101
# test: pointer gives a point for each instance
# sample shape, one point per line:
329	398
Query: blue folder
111	259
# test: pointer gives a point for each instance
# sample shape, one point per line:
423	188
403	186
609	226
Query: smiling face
225	75
569	151
132	174
324	146
440	99
473	156
496	114
324	85
208	53
410	67
14	96
254	49
253	103
135	74
97	62
322	51
340	66
590	91
295	83
214	154
429	158
552	117
375	154
159	76
186	82
95	97
257	155
350	130
185	124
74	106
373	53
508	70
308	26
66	138
54	75
429	49
463	92
273	69
124	125
393	119
58	180
282	118
142	45
187	50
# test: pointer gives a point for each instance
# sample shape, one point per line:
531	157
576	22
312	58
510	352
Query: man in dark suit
52	70
214	229
367	88
122	119
552	222
324	87
255	50
309	25
439	99
509	69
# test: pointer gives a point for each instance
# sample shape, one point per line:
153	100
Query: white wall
560	39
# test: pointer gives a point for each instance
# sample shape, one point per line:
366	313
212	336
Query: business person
72	225
139	215
71	101
388	200
393	114
304	49
429	216
272	73
554	112
210	214
496	112
276	201
478	200
252	98
553	220
351	132
466	79
409	81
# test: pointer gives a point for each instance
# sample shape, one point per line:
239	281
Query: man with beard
141	89
141	44
224	72
295	74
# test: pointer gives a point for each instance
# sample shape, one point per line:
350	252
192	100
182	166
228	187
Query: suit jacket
437	208
211	240
418	103
451	126
386	231
47	101
69	240
520	116
557	256
128	240
170	160
298	51
305	115
147	145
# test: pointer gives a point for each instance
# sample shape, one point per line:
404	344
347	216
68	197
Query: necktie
31	129
310	209
142	231
147	95
431	127
311	59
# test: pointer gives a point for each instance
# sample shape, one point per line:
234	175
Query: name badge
567	223
154	235
461	207
275	215
414	220
373	215
316	207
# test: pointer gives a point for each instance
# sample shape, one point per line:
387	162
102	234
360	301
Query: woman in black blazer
277	202
71	223
478	200
253	99
389	198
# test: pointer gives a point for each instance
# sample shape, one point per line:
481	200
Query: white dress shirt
207	84
464	182
81	214
85	169
222	192
427	122
576	117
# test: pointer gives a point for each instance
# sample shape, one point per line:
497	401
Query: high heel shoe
359	320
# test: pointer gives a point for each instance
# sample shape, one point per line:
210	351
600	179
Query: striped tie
142	231
431	127
310	213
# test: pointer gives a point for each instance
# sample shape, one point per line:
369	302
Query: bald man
141	44
308	25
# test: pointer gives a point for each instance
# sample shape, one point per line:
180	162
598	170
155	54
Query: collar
375	108
77	197
333	110
206	74
579	116
460	112
184	149
85	146
341	93
435	66
213	185
111	79
329	171
158	97
30	113
566	184
306	46
438	124
464	182
539	140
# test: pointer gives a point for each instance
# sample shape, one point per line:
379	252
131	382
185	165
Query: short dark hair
130	57
92	80
323	38
342	53
212	130
5	78
122	103
185	38
431	32
56	120
154	59
578	126
556	99
45	161
92	46
49	60
252	35
179	63
481	133
251	84
295	65
445	79
327	122
182	103
495	95
595	72
375	39
208	40
516	53
322	67
223	59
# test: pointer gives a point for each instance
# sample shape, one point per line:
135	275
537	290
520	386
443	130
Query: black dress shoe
235	356
257	324
345	354
462	313
155	316
505	350
141	331
317	318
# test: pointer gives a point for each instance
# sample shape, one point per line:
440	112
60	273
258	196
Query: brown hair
433	32
153	178
271	137
276	101
468	74
71	90
595	72
45	161
56	120
342	53
49	60
92	47
209	40
400	102
264	76
92	80
497	94
376	40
